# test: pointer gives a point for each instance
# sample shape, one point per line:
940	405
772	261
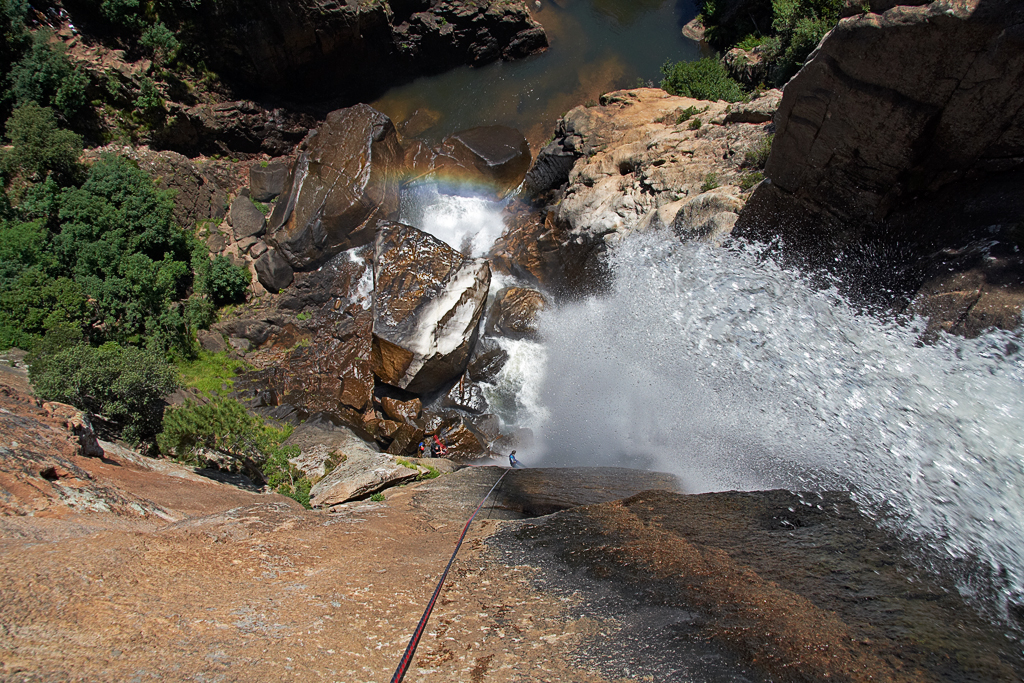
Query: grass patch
757	156
688	113
210	373
710	182
696	124
264	208
377	498
749	180
431	473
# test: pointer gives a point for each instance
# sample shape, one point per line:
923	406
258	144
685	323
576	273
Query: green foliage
377	498
225	425
263	208
303	316
749	180
118	241
161	41
210	373
705	79
123	384
149	97
757	156
750	41
687	114
44	75
40	145
225	282
695	124
710	182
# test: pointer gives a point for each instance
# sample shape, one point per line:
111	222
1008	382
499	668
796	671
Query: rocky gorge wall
896	114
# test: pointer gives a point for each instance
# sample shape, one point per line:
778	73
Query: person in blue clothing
513	463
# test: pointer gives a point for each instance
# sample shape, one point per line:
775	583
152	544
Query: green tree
123	384
44	75
161	41
39	143
227	283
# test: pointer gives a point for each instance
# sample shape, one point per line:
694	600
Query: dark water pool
596	46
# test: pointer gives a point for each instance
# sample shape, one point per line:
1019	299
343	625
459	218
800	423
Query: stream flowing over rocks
769	405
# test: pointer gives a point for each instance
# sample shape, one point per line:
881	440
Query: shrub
123	384
39	144
749	180
149	97
695	124
161	41
710	182
227	283
225	425
705	79
377	497
757	156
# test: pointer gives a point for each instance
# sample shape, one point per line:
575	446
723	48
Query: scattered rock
211	341
245	219
273	271
267	181
343	182
428	299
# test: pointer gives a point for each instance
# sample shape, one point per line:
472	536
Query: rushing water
732	372
596	46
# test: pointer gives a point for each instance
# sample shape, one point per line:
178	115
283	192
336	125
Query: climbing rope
403	665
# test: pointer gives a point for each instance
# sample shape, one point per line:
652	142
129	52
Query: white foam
468	224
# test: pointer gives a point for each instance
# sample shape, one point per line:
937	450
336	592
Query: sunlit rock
339	187
428	300
360	473
402	411
466	396
273	271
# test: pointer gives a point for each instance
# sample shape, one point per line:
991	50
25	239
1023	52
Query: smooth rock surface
342	183
514	313
273	271
246	220
267	182
428	299
360	474
493	156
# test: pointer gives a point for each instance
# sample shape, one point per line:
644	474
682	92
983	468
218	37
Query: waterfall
720	366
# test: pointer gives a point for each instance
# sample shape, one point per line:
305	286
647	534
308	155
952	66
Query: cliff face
321	49
893	112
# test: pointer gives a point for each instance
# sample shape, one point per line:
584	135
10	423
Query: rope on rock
406	660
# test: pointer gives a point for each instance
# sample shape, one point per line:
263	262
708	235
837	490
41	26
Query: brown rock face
307	47
640	160
494	156
340	186
236	128
893	113
402	411
514	313
428	300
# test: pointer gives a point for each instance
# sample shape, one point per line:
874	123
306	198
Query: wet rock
339	187
273	271
267	182
493	156
402	411
745	570
514	313
486	363
405	440
462	439
360	474
466	396
245	219
428	300
709	216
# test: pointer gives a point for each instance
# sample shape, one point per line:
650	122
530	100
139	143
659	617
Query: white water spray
734	373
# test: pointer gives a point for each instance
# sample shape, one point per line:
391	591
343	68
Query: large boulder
246	220
360	473
273	271
495	157
428	300
341	184
266	180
